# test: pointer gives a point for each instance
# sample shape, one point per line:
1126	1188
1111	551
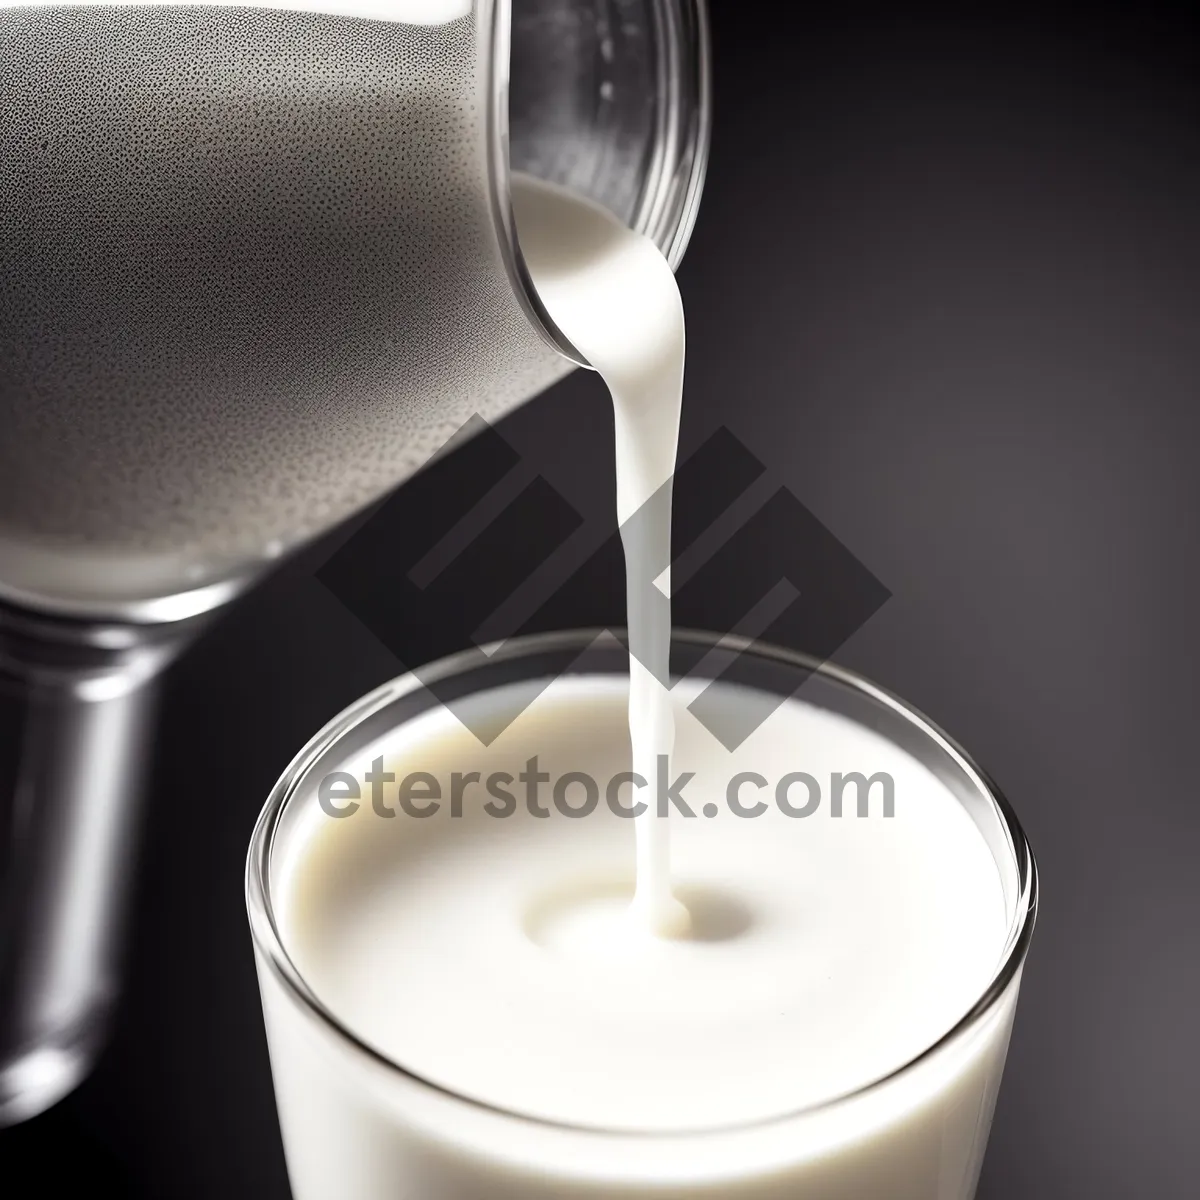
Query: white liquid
495	957
588	973
614	296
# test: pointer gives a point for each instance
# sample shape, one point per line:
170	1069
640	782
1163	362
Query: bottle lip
670	199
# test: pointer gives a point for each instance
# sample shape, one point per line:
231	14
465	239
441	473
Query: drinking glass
359	1126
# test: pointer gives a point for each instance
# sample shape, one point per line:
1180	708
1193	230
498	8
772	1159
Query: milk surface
494	955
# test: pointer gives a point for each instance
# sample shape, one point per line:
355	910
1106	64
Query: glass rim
269	943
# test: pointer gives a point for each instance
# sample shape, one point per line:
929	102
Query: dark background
946	286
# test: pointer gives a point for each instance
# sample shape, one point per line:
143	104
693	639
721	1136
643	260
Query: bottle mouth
617	112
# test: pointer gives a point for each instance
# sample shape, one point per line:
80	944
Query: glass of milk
458	1006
